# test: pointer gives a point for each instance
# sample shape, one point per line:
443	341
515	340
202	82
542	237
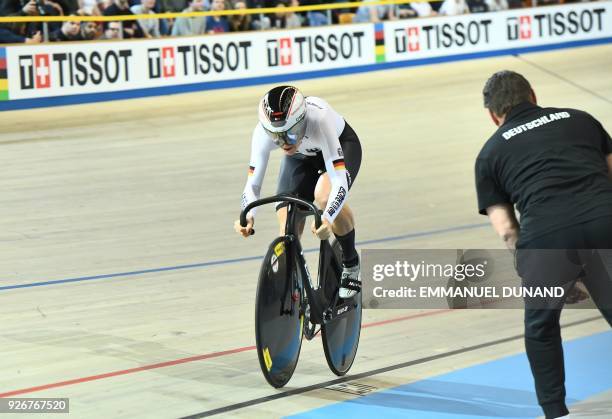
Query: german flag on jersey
251	170
339	164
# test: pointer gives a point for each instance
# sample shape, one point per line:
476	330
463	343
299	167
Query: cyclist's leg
344	224
296	177
281	214
344	230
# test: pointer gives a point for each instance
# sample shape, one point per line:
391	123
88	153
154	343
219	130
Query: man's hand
505	224
35	39
324	231
578	293
244	231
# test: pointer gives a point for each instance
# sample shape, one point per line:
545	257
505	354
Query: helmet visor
290	137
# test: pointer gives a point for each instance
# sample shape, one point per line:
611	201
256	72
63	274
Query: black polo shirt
551	164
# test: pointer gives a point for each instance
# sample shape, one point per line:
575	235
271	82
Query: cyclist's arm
261	146
334	165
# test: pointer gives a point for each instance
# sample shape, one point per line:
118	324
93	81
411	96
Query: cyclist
322	156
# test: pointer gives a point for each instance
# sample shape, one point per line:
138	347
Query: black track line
566	80
302	390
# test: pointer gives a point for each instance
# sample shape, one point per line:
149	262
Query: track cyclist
322	156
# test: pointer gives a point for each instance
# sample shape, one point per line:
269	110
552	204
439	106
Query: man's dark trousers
571	260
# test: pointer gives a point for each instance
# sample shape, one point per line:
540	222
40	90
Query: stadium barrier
80	72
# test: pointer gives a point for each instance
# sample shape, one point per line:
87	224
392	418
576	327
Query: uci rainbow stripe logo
4	94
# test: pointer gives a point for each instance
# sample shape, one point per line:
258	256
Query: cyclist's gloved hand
324	231
244	231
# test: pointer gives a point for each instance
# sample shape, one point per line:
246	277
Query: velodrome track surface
124	288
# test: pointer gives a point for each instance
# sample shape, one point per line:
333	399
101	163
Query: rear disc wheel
341	335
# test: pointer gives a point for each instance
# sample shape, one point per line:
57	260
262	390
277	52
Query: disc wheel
278	316
341	335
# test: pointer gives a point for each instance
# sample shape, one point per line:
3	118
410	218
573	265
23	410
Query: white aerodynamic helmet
282	112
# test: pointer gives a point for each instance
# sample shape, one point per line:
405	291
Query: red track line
410	316
188	359
124	372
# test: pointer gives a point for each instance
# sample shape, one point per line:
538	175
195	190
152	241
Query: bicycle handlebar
280	198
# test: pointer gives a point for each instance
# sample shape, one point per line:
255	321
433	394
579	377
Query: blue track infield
498	389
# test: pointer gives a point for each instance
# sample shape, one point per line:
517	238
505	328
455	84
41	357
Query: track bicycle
289	305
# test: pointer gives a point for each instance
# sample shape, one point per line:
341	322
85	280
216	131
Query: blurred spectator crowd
187	26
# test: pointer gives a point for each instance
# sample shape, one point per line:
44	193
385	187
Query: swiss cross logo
168	62
519	28
413	38
42	70
285	51
162	62
280	52
525	27
34	71
407	39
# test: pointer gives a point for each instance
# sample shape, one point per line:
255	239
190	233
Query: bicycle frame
289	305
321	308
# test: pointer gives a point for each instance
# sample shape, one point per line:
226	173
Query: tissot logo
61	69
441	36
314	49
162	62
279	52
551	25
519	27
35	71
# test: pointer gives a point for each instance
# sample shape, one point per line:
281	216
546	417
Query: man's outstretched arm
504	223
